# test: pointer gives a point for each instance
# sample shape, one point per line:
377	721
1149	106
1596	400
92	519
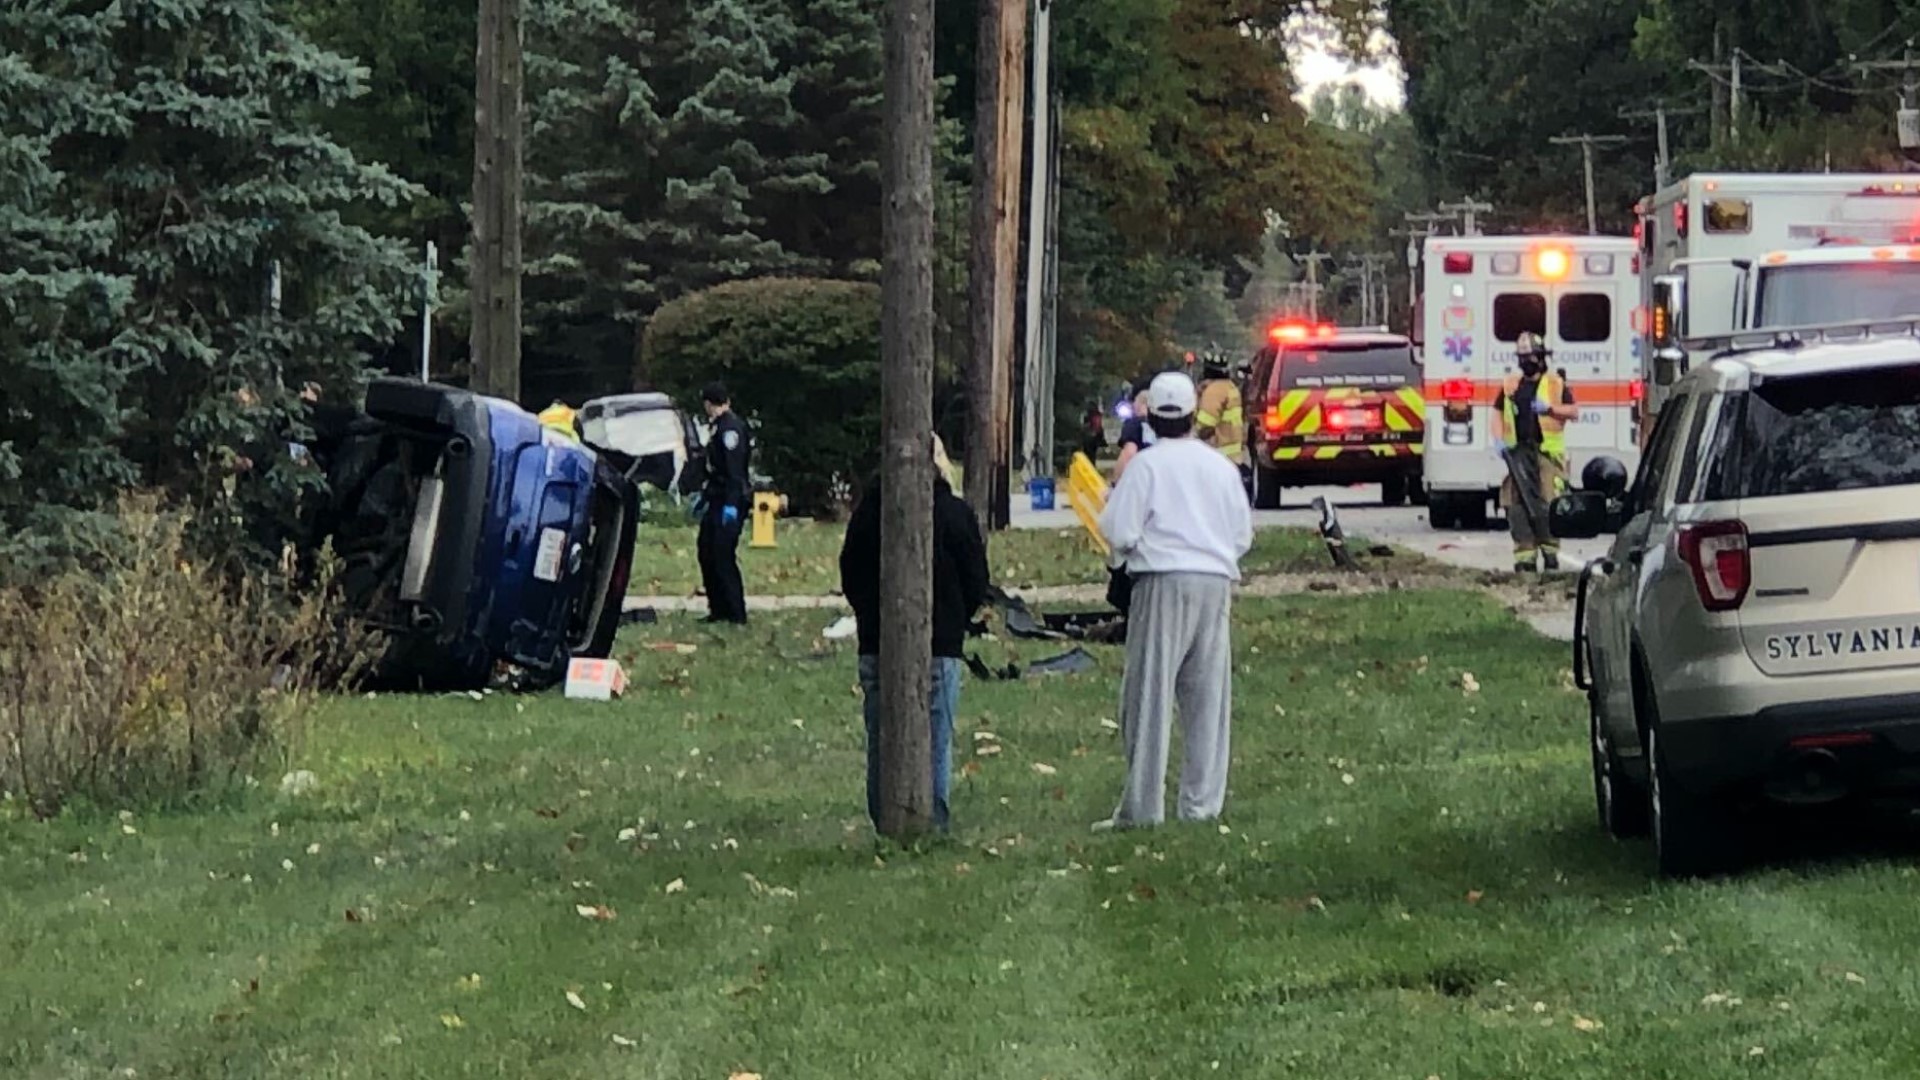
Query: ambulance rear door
1593	345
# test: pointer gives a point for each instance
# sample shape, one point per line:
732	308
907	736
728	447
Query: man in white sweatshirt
1178	520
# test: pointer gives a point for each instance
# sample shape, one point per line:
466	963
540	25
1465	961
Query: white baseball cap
1171	395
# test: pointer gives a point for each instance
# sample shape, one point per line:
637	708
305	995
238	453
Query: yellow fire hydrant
766	507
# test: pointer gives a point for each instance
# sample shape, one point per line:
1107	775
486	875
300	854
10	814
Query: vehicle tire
1443	511
1473	513
1622	805
1266	488
1417	490
1689	838
1393	491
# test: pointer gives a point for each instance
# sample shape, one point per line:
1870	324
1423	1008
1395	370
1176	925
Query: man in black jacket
960	584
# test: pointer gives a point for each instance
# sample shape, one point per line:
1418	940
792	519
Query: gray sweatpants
1179	652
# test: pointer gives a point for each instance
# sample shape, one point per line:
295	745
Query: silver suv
1753	636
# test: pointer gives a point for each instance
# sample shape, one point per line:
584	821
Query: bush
152	675
802	360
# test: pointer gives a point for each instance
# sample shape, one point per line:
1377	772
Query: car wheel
1266	488
1443	511
1473	513
1416	491
1623	807
1393	491
1688	840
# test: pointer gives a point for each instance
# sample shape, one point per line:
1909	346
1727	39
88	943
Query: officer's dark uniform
728	453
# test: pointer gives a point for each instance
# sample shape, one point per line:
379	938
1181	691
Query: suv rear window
1365	367
1808	434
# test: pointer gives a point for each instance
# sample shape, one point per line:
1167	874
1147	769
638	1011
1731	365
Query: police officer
1529	433
728	496
1221	421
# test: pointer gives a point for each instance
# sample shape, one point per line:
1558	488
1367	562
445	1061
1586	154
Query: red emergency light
1637	390
1680	218
1458	262
1457	390
1294	332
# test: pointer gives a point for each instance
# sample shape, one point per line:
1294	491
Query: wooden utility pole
999	112
1586	143
906	422
497	166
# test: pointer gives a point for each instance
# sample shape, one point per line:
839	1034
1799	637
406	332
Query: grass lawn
806	562
1411	884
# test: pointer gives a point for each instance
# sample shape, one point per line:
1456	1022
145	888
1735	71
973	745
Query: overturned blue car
481	545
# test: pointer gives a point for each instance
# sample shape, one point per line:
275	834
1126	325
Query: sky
1315	67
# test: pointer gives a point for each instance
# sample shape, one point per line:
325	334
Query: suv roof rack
1794	337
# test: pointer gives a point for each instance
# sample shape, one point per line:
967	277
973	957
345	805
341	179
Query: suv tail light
1272	422
1716	552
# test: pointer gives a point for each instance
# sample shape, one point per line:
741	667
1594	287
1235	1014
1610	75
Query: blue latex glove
1501	448
1541	406
729	516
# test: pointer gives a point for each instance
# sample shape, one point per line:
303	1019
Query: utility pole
429	300
1038	389
1419	227
1725	77
1663	163
1000	114
1469	211
1313	259
497	165
1586	143
1909	115
906	421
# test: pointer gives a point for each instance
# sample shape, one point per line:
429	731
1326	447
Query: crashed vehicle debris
473	538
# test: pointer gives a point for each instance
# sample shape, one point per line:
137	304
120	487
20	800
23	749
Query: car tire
1266	488
1473	513
1443	511
1623	806
1689	838
1416	491
1393	491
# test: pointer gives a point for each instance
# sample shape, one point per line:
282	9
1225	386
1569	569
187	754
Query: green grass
806	560
1412	885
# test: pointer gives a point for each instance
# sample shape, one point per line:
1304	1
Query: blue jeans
944	701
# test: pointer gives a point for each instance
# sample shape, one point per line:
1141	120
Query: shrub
153	676
802	360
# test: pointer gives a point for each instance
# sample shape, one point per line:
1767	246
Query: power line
1586	143
1663	162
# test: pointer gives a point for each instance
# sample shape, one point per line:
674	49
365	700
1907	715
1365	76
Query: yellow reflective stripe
1413	399
1291	403
1396	421
1326	453
1419	449
1234	415
1205	419
1310	423
1287	453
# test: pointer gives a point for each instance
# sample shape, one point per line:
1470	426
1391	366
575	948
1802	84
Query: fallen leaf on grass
629	834
1581	1023
596	912
962	868
1469	684
574	999
744	1076
1145	891
1474	895
1856	979
676	885
546	812
987	749
622	1040
469	983
970	769
1044	769
452	1021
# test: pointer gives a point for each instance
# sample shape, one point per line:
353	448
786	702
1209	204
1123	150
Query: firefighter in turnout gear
1529	434
1220	421
728	496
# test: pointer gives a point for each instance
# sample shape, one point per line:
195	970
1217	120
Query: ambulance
1580	293
1726	253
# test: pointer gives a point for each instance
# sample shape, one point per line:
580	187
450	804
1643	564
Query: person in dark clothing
728	494
960	585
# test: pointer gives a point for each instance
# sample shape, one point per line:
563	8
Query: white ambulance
1481	293
1730	252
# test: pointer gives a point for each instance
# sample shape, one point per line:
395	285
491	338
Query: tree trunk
999	111
497	167
906	404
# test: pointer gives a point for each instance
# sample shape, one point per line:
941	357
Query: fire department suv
1579	293
1335	406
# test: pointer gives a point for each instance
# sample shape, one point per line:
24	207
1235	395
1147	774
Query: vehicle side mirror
1583	515
1667	317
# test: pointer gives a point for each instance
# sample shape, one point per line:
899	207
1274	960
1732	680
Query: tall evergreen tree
161	164
655	128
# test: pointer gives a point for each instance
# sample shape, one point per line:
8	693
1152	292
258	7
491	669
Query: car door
1635	555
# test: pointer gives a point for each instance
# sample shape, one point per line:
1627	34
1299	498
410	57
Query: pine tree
657	130
160	163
